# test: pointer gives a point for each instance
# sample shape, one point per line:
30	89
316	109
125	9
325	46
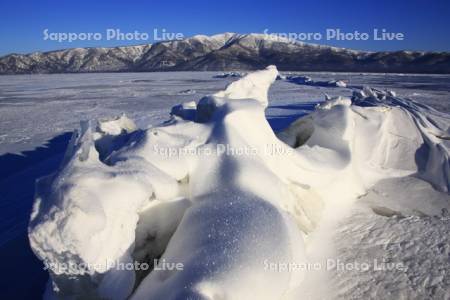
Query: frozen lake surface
35	108
39	112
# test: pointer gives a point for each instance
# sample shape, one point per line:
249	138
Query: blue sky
425	24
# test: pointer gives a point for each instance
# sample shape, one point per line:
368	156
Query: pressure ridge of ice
217	190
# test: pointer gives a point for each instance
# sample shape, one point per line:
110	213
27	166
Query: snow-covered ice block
220	193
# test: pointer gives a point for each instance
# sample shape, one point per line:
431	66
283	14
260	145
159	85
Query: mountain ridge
224	52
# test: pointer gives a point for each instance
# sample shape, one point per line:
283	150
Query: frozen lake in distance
35	108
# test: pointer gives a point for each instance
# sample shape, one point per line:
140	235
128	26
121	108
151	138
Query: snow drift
306	80
217	191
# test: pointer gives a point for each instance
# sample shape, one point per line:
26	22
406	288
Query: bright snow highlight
222	214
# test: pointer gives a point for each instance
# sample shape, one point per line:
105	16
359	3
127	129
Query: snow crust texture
216	190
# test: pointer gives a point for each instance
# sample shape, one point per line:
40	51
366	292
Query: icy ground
408	227
35	108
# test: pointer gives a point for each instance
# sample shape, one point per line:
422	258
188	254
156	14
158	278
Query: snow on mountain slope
217	191
221	52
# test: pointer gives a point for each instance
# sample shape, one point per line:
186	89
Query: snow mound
421	125
116	126
378	134
216	191
306	80
229	75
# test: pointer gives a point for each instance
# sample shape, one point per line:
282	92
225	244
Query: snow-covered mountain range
227	51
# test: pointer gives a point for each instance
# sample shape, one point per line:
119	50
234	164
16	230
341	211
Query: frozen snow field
35	108
354	205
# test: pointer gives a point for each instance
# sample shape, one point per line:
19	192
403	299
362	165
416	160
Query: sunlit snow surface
35	109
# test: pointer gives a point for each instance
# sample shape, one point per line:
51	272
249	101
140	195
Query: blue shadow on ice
23	276
293	112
